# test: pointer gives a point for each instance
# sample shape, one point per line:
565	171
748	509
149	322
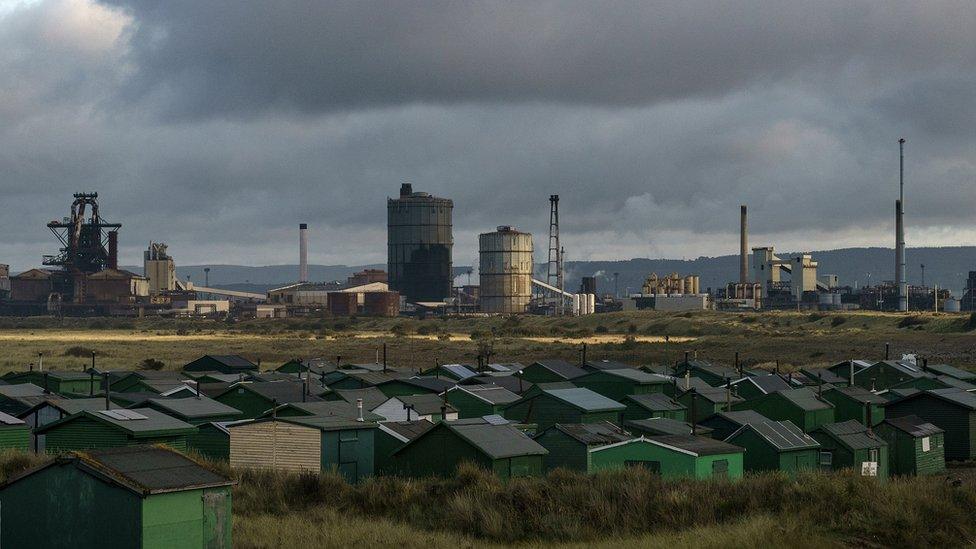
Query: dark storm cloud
244	57
218	126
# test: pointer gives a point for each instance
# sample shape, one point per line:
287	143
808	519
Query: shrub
837	321
78	351
912	321
152	364
601	329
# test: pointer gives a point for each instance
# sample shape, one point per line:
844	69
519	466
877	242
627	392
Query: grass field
793	339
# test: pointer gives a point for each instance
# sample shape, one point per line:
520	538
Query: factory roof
782	435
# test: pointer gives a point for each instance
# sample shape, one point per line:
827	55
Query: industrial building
419	245
505	270
671	292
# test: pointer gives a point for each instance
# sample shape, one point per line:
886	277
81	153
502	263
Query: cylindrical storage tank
505	270
697	284
577	305
343	303
951	305
837	300
826	301
419	245
381	304
590	303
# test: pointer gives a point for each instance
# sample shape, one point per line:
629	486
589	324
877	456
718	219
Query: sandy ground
108	335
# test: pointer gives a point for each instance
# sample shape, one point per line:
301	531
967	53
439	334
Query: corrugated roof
742	417
956	383
337	408
783	435
823	374
327	423
194	408
561	368
21	389
149	469
497	441
767	383
593	434
154	422
234	361
852	434
460	371
963	398
514	384
438	385
282	391
656	402
10	421
697	445
716	395
908	369
372	397
585	399
656	426
914	425
377	378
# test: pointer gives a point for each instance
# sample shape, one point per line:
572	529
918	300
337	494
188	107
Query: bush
632	329
152	364
601	329
837	321
912	321
79	351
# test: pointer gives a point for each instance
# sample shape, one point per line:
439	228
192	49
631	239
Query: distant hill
948	267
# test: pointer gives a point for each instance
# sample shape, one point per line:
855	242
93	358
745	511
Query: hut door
216	520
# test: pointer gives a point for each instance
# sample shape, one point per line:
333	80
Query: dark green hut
776	446
915	447
673	456
480	400
225	364
653	405
951	410
551	371
569	445
255	398
723	424
115	428
659	426
704	402
390	437
850	444
617	384
497	447
552	406
141	496
854	403
801	406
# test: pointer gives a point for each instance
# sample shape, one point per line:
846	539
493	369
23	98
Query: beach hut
673	456
653	405
114	428
850	444
659	426
952	410
915	447
801	406
480	400
141	496
551	406
225	364
550	371
776	446
856	403
618	383
569	445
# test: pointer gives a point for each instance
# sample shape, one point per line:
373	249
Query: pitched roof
138	422
957	383
426	404
952	395
7	420
145	470
338	408
631	374
405	431
782	435
715	395
606	365
584	399
914	425
561	368
656	426
766	383
435	384
951	371
823	374
851	434
514	384
656	402
859	394
905	368
686	444
194	408
21	389
497	441
282	391
805	398
327	423
376	378
372	397
492	394
592	434
460	371
740	417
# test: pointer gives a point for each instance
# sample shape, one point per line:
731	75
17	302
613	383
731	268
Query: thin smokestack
901	280
743	246
303	252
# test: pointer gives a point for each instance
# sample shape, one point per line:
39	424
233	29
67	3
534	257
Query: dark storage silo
420	240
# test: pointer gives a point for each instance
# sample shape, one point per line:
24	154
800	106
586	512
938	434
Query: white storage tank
951	305
505	266
577	305
590	303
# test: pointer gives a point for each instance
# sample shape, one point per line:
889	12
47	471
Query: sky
217	127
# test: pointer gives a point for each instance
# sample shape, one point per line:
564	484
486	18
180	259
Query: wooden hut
673	456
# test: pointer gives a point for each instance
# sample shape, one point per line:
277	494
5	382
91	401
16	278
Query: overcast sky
218	126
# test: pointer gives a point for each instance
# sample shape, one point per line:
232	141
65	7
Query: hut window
926	444
826	459
720	467
873	454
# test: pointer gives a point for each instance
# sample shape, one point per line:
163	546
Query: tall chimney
743	246
303	252
900	275
113	249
